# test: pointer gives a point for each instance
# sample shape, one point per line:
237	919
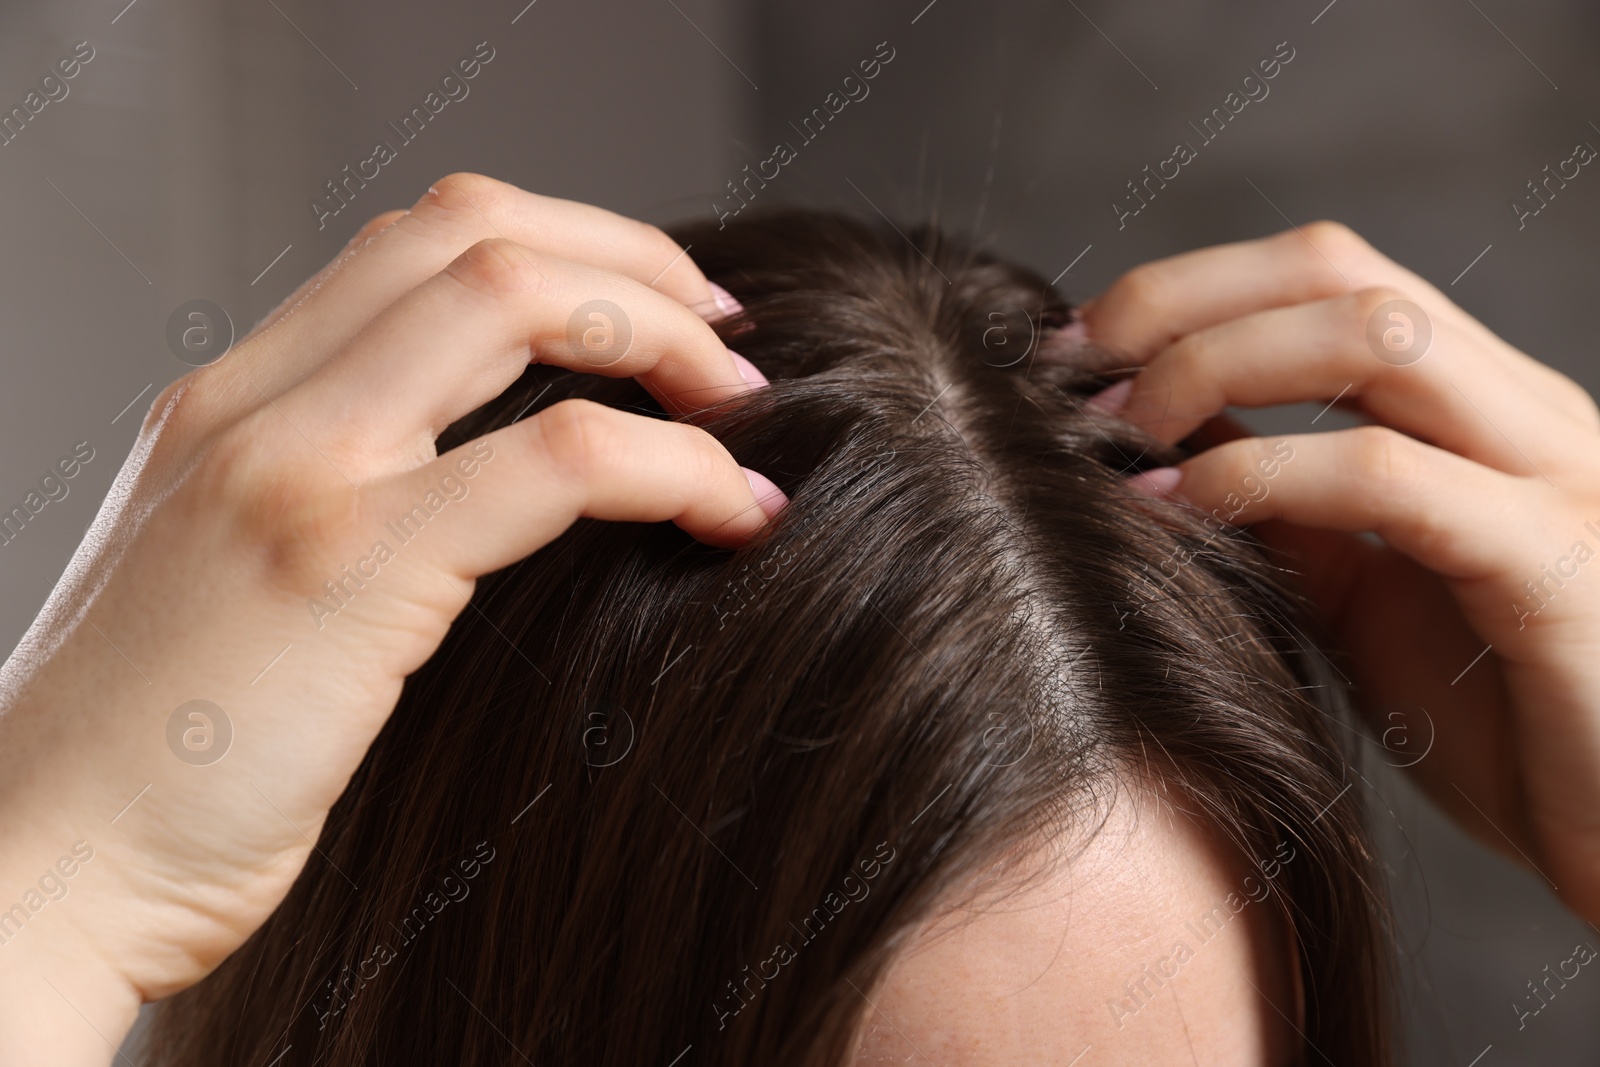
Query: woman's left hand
1479	471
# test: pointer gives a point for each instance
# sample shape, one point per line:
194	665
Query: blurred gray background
182	162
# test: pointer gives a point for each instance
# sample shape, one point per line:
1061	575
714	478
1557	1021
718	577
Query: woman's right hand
284	544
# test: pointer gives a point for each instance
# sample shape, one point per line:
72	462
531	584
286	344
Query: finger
457	212
1443	511
1321	350
466	334
494	500
1324	561
462	209
1154	304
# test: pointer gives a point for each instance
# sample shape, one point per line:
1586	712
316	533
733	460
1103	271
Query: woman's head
973	729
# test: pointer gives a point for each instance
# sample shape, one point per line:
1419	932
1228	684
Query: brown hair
640	769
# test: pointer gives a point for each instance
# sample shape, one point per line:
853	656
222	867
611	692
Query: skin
1478	471
257	479
1052	972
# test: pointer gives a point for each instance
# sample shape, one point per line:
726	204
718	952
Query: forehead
1157	944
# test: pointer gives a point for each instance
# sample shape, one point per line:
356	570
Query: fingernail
769	496
1113	398
1074	331
749	371
1158	483
726	305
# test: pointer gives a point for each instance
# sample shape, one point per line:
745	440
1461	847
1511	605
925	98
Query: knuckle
657	241
1328	232
706	457
578	437
462	194
1142	286
1185	360
1334	239
496	266
1364	302
1384	459
1246	456
1318	245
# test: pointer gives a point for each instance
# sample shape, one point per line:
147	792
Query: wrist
60	1003
63	1000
